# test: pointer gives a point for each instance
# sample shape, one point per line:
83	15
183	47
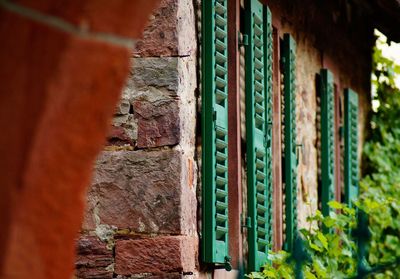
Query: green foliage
327	243
332	252
380	187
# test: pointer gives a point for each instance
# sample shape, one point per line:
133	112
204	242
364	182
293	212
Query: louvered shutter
214	131
258	61
326	90
288	59
350	145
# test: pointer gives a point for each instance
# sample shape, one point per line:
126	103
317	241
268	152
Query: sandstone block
158	123
93	259
170	32
162	97
153	93
155	72
156	255
140	191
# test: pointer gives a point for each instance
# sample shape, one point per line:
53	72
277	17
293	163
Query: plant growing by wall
380	187
329	248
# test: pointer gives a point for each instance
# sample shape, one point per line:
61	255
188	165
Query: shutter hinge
227	264
214	115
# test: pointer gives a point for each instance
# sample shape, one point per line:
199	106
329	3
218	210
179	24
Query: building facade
239	120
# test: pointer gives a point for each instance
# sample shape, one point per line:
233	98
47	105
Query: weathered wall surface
141	214
141	208
330	35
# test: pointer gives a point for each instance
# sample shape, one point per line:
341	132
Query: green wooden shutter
350	145
214	132
258	62
326	90
288	59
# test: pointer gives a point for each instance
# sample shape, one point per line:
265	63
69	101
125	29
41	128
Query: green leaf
335	205
349	211
309	275
319	268
269	274
323	240
315	247
256	275
329	222
285	272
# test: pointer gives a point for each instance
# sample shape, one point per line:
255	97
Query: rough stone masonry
141	207
141	218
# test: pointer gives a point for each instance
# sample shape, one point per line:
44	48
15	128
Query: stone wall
141	207
332	35
141	218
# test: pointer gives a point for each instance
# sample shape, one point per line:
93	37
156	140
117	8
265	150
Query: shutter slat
350	145
326	90
258	63
214	79
290	178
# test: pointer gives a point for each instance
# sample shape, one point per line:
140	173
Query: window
248	84
228	69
